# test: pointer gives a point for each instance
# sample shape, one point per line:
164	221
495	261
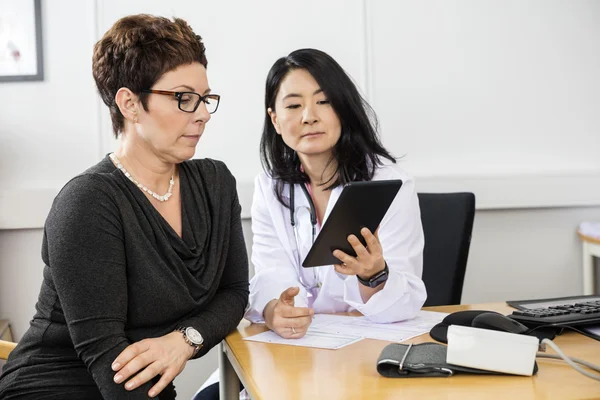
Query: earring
135	119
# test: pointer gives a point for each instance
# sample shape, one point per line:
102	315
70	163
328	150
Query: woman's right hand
283	318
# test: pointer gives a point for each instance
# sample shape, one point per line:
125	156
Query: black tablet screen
361	204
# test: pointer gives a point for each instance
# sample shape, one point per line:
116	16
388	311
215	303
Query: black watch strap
376	279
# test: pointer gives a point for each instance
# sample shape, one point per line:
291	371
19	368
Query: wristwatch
376	279
192	337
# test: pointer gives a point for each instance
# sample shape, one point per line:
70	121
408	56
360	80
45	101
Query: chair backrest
447	225
6	348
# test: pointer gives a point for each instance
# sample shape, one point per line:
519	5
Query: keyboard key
580	312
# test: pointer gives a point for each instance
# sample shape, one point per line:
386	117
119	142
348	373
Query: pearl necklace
157	196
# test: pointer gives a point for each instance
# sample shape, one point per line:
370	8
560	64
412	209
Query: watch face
379	278
194	336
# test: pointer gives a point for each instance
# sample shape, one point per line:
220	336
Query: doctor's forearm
366	292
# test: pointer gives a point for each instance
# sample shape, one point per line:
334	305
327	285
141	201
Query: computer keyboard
564	311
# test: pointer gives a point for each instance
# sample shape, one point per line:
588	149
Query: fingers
344	269
296	322
287	317
145	375
348	262
165	356
295	332
366	257
287	296
305	327
131	368
301	330
360	250
373	243
129	354
295	312
127	369
165	379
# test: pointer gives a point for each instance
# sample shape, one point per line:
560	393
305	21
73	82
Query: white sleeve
275	269
401	237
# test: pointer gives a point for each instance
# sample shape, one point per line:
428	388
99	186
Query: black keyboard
564	311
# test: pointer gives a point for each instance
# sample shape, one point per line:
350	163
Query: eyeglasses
189	101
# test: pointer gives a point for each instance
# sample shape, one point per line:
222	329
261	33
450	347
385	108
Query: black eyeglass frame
179	96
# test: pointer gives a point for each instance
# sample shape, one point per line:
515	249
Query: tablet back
361	204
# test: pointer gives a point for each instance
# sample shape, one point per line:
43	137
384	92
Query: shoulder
264	196
265	185
96	184
393	171
83	198
263	181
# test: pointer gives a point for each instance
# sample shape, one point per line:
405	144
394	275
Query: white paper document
335	331
591	229
311	339
361	326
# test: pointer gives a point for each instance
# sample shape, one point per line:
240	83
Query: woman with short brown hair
145	262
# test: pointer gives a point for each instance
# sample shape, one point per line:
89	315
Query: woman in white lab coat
319	134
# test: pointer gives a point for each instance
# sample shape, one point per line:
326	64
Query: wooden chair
6	348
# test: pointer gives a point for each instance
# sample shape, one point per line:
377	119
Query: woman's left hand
368	261
165	356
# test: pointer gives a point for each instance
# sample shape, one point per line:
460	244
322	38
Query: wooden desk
271	371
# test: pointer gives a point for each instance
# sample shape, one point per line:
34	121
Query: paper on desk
591	229
335	331
320	340
361	326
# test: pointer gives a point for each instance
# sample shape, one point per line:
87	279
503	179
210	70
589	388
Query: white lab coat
277	262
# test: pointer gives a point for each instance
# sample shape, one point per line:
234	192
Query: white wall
243	39
495	97
507	86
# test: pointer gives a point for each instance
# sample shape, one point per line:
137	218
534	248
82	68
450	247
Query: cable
577	360
570	361
559	328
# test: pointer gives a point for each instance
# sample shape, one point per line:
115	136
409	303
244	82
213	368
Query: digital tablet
361	204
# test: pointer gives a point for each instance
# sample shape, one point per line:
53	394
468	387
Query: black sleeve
86	258
226	310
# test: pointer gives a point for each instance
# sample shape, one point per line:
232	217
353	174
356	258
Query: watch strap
376	279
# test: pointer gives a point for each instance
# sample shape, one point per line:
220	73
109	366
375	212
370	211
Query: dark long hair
358	151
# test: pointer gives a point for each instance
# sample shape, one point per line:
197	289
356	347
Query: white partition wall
243	39
496	97
491	96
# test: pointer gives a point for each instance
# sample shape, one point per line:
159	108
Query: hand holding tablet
361	205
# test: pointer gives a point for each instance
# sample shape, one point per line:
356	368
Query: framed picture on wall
21	55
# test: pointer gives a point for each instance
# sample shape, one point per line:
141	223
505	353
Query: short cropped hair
136	51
